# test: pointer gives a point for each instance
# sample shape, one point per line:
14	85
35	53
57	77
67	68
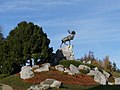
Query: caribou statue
68	38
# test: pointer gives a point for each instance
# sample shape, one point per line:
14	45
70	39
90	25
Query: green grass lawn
17	84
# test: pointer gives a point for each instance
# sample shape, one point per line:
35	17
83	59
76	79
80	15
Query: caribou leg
61	44
69	42
65	43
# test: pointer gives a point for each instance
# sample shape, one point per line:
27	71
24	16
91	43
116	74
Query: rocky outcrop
45	67
26	72
65	53
45	85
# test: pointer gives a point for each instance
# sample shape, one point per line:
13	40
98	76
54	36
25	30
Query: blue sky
96	22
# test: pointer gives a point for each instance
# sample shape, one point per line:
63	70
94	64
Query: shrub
90	65
84	71
111	79
52	68
66	63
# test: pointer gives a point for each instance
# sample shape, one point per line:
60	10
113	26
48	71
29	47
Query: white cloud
34	4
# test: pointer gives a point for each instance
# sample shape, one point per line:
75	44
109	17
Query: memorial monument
65	52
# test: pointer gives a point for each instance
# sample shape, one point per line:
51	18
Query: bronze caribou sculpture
68	38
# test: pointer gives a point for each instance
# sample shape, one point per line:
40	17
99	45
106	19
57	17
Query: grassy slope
18	84
15	82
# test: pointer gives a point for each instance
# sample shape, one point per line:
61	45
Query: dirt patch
64	78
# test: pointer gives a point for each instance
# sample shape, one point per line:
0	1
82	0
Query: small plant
52	68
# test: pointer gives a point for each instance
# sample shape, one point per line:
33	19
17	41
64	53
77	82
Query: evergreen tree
114	67
28	41
25	42
107	64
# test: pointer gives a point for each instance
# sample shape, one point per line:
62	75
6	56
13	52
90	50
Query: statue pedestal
66	52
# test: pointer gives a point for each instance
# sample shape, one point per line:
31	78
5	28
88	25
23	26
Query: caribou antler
69	32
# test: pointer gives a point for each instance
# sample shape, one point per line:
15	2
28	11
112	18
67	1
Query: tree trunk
31	62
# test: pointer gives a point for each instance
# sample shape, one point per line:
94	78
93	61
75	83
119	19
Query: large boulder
55	84
35	66
92	73
107	75
59	68
46	64
52	82
99	77
83	67
26	72
65	52
117	81
45	85
68	72
39	87
74	69
45	67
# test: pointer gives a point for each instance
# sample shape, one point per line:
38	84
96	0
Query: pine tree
107	64
25	42
114	67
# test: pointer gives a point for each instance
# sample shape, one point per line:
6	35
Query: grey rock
45	85
109	83
83	67
84	62
67	70
99	77
73	69
35	66
107	75
117	81
67	52
47	81
55	84
46	64
88	62
52	83
91	73
45	67
96	69
59	68
26	72
35	87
